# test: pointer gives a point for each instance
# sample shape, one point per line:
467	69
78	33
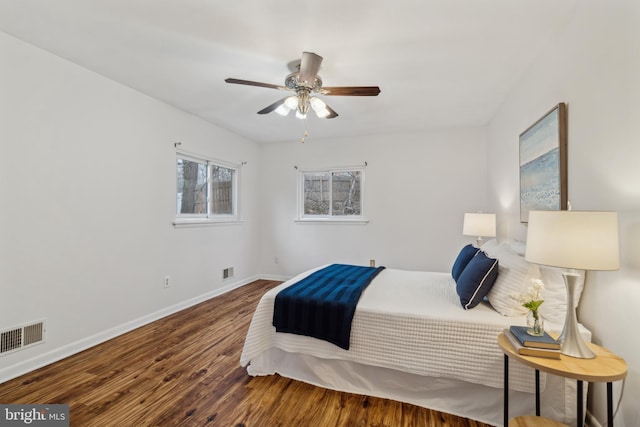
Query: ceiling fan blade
332	113
350	91
272	107
309	67
251	83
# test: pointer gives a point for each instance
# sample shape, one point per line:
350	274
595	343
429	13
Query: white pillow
554	306
513	279
490	246
517	246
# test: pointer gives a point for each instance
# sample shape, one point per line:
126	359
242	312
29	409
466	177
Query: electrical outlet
275	260
372	262
167	281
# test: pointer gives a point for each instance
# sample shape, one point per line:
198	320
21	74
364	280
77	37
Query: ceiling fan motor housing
293	83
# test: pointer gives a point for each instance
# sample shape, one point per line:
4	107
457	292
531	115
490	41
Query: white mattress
409	321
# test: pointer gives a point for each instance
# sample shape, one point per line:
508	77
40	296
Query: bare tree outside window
346	193
332	193
191	187
316	193
205	189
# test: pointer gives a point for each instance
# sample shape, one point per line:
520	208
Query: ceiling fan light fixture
301	115
323	113
283	109
319	107
291	102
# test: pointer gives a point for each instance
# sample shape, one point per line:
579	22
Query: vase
535	324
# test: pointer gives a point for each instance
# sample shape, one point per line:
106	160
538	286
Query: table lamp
479	224
573	240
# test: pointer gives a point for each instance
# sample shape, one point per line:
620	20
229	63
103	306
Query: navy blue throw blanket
322	304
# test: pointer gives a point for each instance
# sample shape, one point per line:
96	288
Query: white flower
532	299
538	285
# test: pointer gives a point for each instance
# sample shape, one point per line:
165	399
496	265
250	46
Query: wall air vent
20	337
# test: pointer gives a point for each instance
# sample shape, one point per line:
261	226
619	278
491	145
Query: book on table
530	351
536	341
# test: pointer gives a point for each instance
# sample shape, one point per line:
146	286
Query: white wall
88	189
593	66
87	183
417	188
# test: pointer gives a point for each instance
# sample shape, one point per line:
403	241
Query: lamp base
571	341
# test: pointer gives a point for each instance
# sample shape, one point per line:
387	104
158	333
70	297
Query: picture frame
543	163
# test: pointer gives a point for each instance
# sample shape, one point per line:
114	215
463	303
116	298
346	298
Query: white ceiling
439	63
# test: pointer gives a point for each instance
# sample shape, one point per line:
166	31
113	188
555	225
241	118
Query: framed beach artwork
543	164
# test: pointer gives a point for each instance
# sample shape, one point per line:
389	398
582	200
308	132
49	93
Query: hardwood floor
183	370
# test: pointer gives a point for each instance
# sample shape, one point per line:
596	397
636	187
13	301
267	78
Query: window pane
316	193
192	187
346	193
221	190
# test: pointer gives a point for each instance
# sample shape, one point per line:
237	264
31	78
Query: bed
413	341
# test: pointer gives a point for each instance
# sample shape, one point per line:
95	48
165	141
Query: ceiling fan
305	83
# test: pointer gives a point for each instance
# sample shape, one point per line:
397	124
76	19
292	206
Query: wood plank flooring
183	370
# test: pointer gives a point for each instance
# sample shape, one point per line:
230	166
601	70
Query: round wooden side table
605	367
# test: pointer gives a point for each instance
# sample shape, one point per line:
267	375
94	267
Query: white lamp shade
319	107
291	102
573	239
283	110
479	224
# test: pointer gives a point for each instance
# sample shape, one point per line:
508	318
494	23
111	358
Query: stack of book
530	345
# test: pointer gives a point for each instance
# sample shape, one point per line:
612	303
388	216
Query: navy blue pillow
476	280
462	260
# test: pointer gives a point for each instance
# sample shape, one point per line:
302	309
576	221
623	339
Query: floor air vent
20	337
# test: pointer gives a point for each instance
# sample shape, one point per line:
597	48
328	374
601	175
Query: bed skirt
474	401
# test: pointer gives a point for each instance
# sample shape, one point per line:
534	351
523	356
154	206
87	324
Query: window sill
331	221
204	222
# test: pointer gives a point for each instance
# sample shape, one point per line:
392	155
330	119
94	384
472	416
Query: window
205	190
331	194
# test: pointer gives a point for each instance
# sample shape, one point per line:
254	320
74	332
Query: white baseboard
275	277
25	366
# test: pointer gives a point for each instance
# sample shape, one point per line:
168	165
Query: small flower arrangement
532	300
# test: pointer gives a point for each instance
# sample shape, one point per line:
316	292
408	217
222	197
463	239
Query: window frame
208	218
330	218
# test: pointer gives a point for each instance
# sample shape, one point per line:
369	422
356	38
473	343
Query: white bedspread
410	321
